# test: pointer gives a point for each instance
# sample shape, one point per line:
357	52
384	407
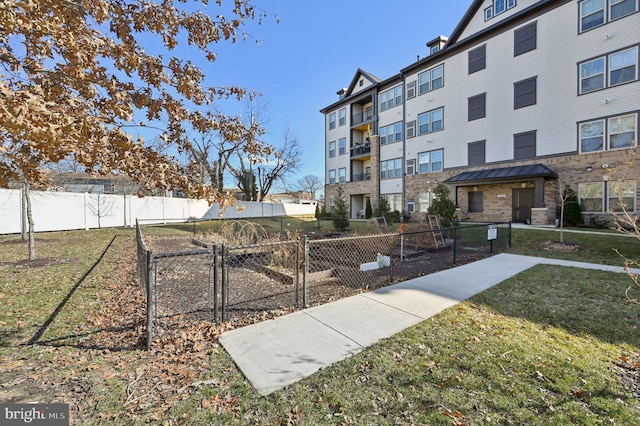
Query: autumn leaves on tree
76	80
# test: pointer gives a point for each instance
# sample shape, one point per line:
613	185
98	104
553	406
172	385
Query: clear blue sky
315	50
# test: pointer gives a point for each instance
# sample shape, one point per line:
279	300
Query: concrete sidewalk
279	352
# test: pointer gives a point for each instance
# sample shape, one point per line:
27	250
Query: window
524	145
342	116
424	201
525	39
411	129
477	59
475	202
476	153
332	149
430	162
622	196
476	107
394	200
623	66
619	67
431	121
332	204
498	7
592	75
411	207
342	146
593	13
342	174
592	136
391	133
411	167
431	79
621	132
614	196
411	89
620	8
391	169
391	98
332	120
332	177
524	93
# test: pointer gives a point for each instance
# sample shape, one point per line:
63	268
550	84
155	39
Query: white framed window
411	207
391	98
620	8
391	133
607	134
610	196
498	7
342	146
622	131
411	89
332	120
332	149
424	201
623	66
332	177
342	174
342	116
390	169
431	79
411	129
592	136
431	121
594	13
332	204
394	200
592	75
430	162
411	166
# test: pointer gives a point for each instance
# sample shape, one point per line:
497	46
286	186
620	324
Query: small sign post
492	234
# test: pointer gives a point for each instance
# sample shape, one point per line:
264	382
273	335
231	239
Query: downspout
404	140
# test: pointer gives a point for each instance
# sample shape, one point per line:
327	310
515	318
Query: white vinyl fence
59	211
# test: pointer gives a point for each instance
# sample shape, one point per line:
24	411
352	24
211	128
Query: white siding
478	23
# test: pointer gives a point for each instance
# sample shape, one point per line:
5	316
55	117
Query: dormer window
498	7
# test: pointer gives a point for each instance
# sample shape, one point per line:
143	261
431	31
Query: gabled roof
473	9
503	173
372	78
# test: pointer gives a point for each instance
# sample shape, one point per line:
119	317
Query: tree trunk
24	212
32	237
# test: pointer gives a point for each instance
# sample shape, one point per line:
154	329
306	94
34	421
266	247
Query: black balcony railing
362	117
361	177
360	150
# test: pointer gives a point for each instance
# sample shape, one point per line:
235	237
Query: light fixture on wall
589	168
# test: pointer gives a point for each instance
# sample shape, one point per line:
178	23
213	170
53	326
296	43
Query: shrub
572	210
368	212
341	213
443	206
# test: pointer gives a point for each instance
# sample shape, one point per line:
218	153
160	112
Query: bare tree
257	175
101	206
310	184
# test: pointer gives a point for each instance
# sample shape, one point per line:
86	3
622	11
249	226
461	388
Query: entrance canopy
502	174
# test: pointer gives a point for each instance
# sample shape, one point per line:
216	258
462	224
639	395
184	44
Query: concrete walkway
276	353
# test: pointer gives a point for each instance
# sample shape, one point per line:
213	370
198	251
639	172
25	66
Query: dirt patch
628	371
561	246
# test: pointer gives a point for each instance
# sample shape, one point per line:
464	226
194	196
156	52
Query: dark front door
522	204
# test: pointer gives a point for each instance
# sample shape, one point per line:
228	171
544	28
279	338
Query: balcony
361	177
361	151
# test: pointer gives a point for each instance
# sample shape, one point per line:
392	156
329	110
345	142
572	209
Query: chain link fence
189	280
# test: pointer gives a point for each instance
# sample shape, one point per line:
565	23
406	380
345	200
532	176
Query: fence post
149	298
455	243
216	307
224	282
297	272
305	272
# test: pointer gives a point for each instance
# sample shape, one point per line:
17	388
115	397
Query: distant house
523	98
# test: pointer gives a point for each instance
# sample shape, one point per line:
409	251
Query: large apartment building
522	99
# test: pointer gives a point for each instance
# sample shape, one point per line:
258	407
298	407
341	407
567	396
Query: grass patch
546	347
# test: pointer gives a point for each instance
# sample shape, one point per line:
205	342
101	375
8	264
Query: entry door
522	204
